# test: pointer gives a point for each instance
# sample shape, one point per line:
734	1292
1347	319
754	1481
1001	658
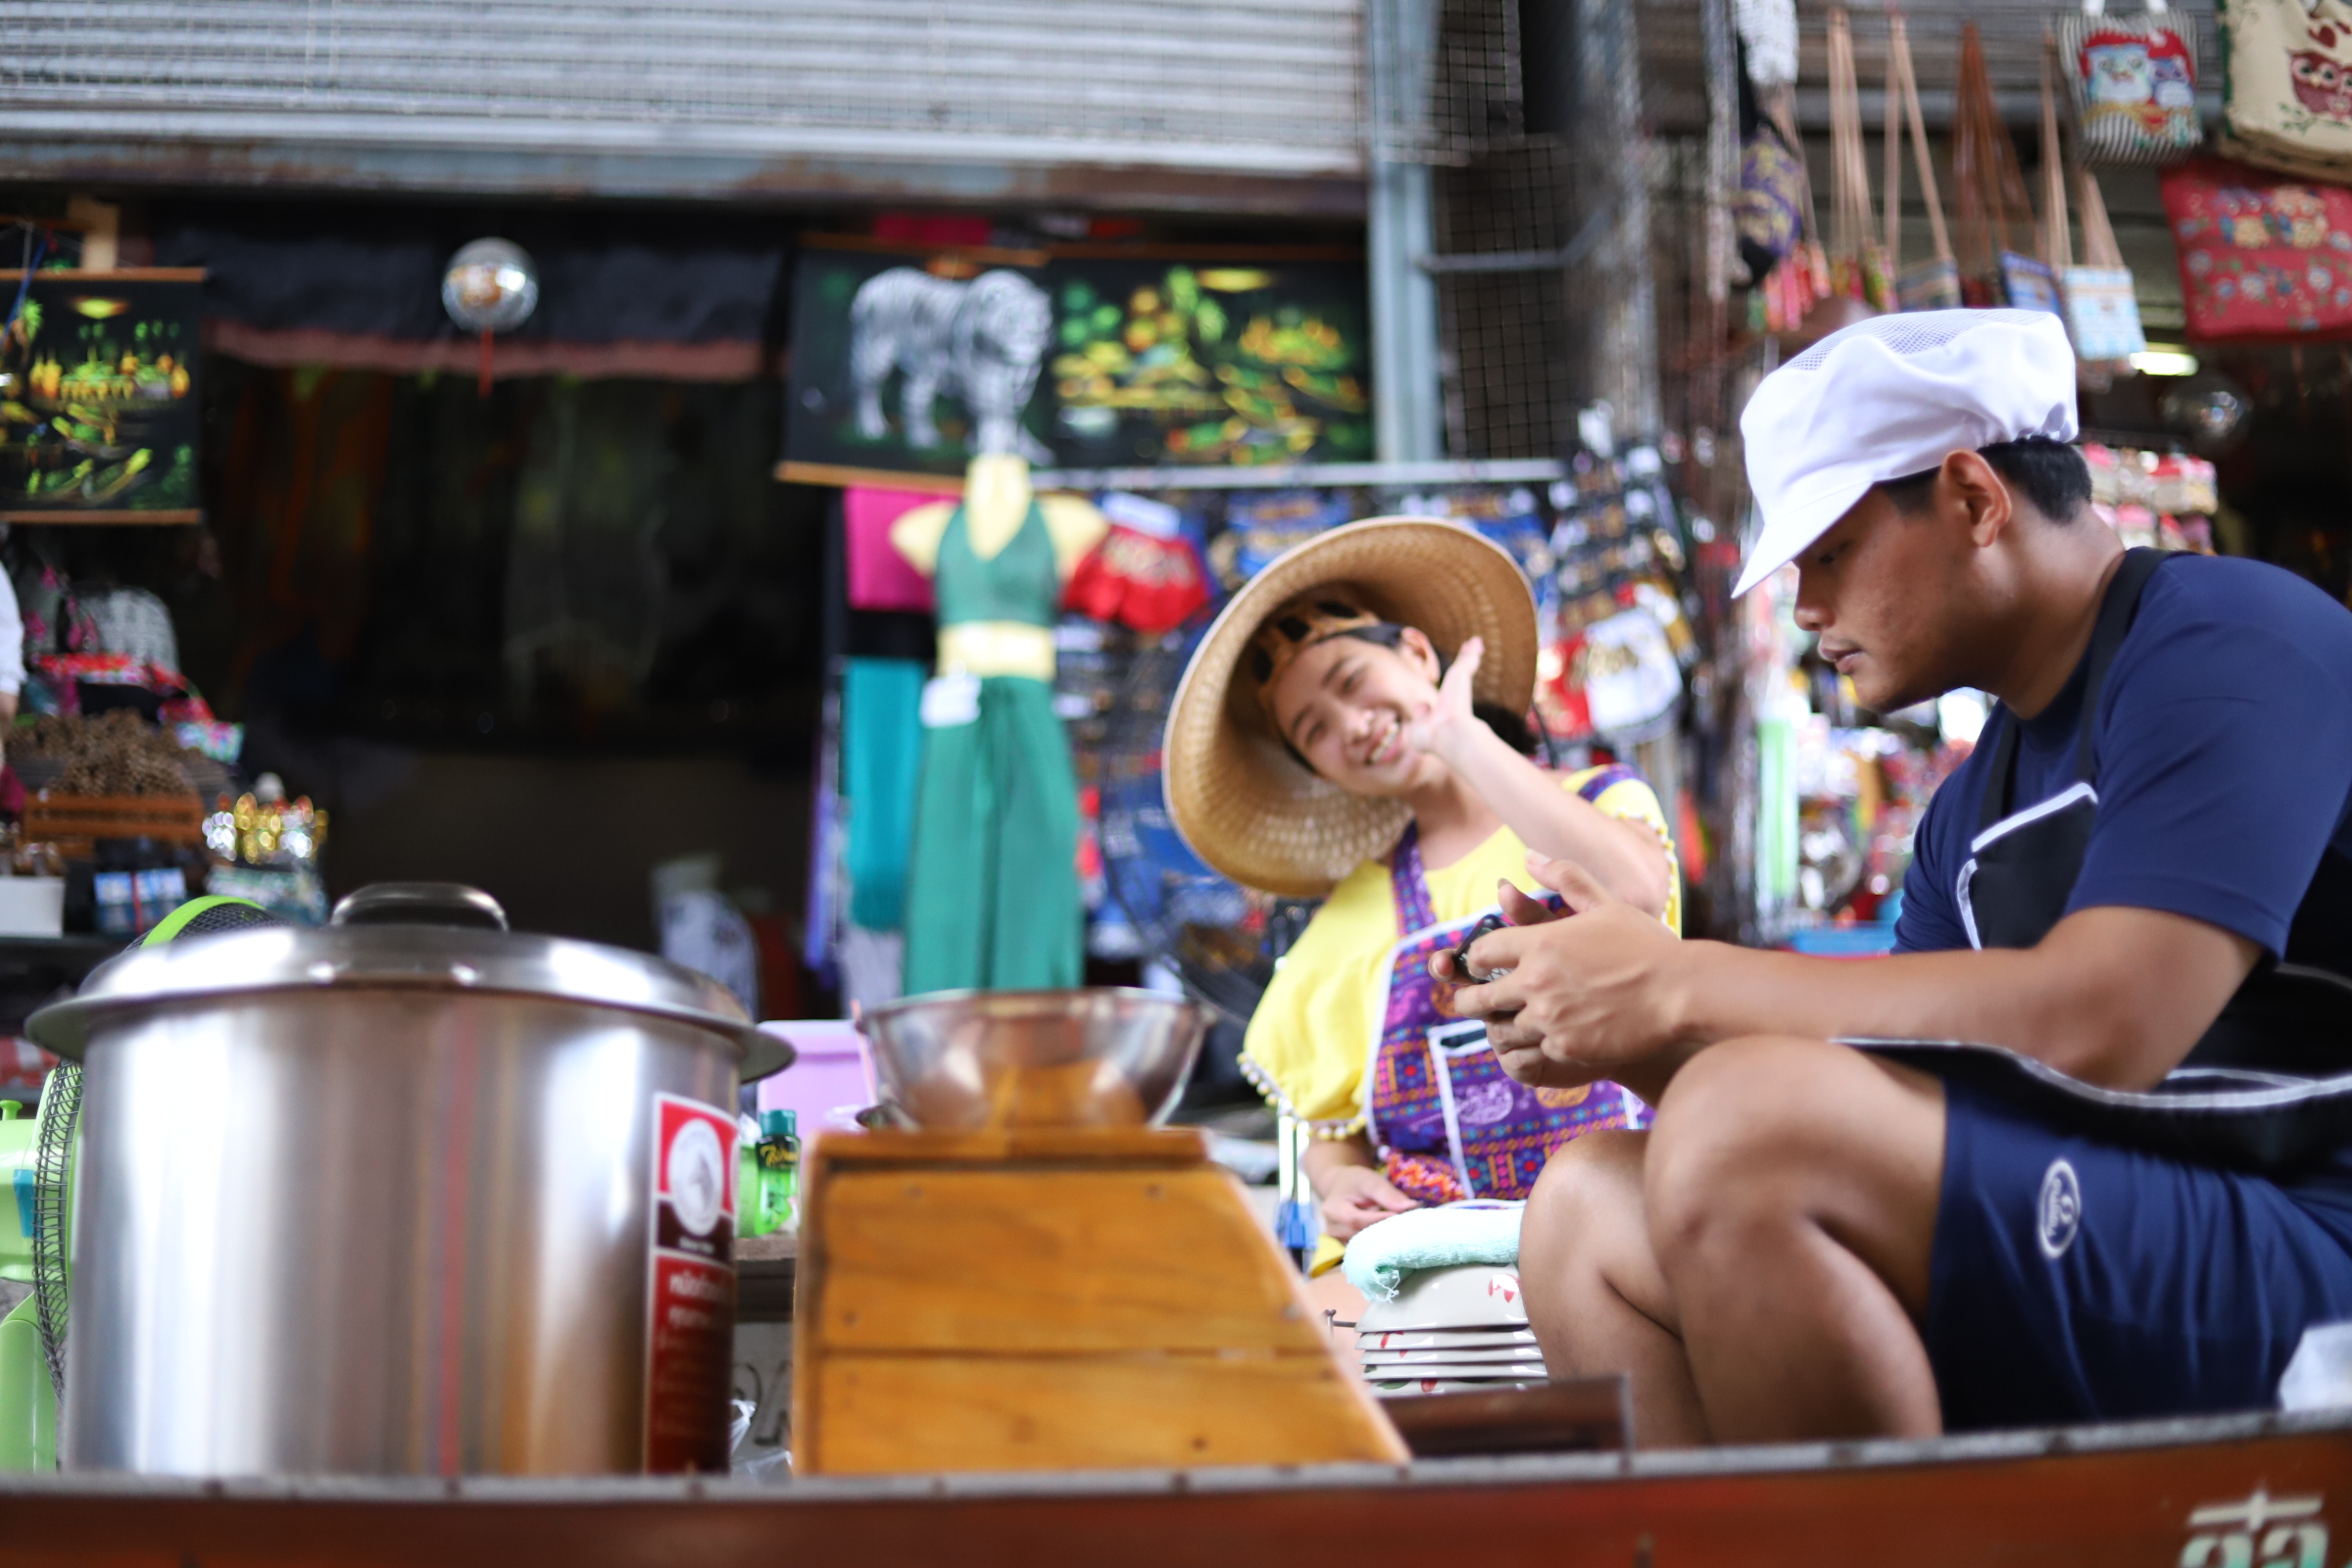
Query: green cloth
993	901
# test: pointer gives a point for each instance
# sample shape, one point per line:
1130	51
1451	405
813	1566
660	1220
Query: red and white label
690	1289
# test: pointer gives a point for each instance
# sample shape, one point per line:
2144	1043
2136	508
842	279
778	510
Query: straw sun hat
1242	801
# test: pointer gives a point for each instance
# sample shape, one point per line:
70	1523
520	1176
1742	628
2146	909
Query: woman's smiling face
1349	706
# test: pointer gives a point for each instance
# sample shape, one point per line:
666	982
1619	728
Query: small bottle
779	1169
748	1182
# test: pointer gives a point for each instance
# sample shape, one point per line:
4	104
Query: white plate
1440	1340
1404	1391
1471	1293
1501	1354
1474	1371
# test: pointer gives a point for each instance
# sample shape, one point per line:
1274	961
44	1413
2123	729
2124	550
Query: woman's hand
1357	1195
1443	722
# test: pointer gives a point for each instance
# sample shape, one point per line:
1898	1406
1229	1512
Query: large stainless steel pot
381	1198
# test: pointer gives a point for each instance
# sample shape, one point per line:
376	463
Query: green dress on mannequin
992	897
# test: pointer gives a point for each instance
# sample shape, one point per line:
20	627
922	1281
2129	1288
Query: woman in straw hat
1352	728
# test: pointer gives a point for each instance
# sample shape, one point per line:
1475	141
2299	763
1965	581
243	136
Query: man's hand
1357	1196
1596	996
1518	909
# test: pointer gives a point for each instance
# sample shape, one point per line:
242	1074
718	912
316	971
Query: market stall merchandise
115	803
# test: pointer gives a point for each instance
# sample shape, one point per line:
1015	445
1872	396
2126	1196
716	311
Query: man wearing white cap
2093	1158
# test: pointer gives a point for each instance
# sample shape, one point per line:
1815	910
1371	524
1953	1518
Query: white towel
1381	1256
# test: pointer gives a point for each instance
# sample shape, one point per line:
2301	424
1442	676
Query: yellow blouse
1310	1038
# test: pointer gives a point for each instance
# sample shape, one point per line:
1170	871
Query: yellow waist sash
985	648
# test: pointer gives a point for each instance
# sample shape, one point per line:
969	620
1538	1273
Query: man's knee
1736	1118
1597	1167
1588	1183
1758	1130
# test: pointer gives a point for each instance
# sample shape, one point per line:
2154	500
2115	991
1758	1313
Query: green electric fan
36	1165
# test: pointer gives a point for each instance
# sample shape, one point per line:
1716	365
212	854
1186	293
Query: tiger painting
981	341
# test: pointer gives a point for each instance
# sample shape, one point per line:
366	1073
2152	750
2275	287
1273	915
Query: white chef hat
1890	397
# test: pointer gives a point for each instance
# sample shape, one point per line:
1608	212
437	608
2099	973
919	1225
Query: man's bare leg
1595	1294
1792	1187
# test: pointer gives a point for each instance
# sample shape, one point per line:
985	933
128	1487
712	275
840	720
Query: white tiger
982	341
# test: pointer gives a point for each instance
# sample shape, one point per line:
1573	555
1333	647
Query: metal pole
1639	318
1400	46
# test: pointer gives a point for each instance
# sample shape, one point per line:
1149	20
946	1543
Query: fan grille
53	1151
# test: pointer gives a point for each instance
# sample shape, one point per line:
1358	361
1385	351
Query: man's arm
2115	997
2112	996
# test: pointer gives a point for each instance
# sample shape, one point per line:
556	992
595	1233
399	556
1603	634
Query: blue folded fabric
1381	1256
881	758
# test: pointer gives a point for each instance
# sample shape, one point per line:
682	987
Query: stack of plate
1449	1330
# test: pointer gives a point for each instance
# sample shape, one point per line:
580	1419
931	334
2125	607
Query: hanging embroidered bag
2287	101
2102	302
2098	299
1993	200
1932	284
1770	214
2263	257
2135	85
1858	266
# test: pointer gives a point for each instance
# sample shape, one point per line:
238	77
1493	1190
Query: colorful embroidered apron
1448	1122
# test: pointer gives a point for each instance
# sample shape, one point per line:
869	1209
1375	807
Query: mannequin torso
995	502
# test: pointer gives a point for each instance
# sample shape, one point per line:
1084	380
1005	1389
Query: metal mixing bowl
960	1060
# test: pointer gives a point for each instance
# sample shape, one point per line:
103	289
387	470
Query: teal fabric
1381	1254
881	756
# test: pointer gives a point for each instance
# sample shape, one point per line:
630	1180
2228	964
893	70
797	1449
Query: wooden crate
1053	1300
74	823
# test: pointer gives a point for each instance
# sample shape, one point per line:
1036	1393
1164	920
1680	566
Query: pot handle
420	903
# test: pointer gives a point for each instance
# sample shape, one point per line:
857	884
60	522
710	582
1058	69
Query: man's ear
1977	488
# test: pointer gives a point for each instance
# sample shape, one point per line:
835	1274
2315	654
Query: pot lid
433	936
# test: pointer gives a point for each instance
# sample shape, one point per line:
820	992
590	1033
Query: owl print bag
2289	99
2264	258
2135	82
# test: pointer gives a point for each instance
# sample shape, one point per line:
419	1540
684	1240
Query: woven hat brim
1236	795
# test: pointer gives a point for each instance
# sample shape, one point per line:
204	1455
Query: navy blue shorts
2079	1281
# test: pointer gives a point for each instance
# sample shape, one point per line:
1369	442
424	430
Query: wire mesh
1509	338
1286	74
1467	97
1541	289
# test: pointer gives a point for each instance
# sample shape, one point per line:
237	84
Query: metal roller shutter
1266	89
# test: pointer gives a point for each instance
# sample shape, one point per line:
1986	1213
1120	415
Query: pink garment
879	576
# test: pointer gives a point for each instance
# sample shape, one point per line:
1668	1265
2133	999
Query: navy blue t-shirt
2224	745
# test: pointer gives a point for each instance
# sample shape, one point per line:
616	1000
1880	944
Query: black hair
2051	475
1512	728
